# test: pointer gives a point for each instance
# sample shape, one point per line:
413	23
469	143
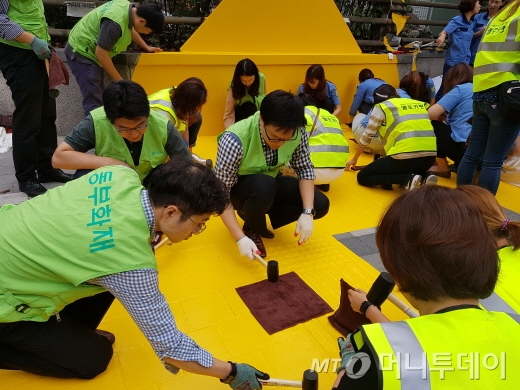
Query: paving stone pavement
9	191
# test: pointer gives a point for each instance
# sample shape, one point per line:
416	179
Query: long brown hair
315	72
414	83
459	74
494	215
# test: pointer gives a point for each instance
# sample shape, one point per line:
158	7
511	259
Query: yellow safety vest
506	297
498	57
160	101
327	145
460	349
407	127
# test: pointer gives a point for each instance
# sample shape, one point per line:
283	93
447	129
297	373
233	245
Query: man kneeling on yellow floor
59	274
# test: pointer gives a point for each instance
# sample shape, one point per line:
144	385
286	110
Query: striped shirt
230	153
9	30
138	291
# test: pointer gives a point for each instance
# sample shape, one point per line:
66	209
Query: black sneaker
429	180
32	187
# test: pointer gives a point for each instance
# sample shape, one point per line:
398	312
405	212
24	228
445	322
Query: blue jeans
90	81
492	135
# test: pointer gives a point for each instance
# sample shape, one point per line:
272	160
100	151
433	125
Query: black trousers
69	348
326	104
34	117
254	196
446	146
388	170
244	111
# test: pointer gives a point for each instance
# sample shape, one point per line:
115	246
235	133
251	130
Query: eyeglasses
292	138
200	226
126	131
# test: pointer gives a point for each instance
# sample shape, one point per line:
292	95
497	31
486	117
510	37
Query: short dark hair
315	72
384	92
191	186
414	83
188	96
435	243
283	110
125	99
307	99
459	74
245	67
153	15
466	5
365	74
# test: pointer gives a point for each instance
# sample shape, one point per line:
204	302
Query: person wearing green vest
436	245
245	93
249	157
327	145
507	234
122	132
100	35
24	46
182	105
56	290
407	135
495	124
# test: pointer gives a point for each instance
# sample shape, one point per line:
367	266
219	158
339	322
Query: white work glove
304	227
246	247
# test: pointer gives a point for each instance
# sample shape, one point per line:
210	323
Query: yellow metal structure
282	37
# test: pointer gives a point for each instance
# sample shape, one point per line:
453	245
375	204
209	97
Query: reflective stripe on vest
498	60
160	100
398	119
404	343
515	317
327	144
495	303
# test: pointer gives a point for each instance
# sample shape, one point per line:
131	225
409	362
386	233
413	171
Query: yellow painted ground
199	277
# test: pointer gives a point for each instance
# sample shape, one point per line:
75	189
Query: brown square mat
280	305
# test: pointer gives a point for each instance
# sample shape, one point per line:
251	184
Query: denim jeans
492	135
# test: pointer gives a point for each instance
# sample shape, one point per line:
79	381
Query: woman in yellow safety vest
407	136
436	245
495	120
507	234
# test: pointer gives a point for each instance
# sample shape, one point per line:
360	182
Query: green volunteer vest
327	145
498	58
160	100
448	351
88	228
253	161
248	98
407	127
506	297
83	36
29	14
110	144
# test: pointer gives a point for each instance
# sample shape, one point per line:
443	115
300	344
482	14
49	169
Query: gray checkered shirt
138	291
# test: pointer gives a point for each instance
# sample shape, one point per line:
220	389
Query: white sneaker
413	183
429	180
203	161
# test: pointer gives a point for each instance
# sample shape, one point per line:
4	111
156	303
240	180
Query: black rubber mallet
309	381
271	266
382	290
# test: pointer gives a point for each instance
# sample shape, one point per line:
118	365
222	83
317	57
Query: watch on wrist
364	307
310	212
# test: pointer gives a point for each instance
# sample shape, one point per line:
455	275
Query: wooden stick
164	241
262	261
280	382
403	306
